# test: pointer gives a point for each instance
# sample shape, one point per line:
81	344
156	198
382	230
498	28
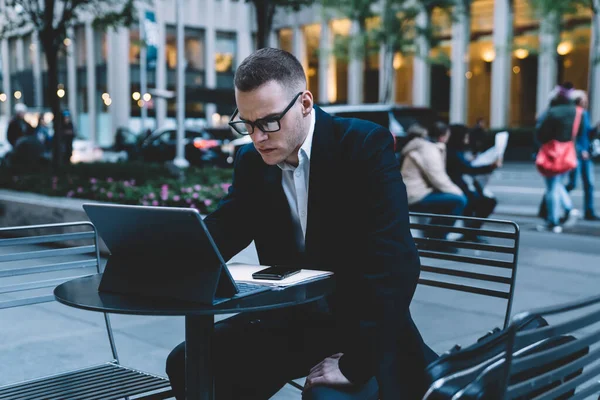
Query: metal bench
486	269
69	250
568	370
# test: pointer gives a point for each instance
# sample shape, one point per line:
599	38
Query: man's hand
327	373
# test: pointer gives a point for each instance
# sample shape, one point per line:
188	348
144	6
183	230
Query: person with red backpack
557	133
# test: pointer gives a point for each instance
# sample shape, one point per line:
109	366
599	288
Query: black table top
83	293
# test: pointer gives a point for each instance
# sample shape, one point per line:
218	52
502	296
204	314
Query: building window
286	36
225	51
100	47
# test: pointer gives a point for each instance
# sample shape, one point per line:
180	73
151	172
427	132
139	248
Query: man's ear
307	102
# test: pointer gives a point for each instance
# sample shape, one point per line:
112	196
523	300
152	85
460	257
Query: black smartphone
276	272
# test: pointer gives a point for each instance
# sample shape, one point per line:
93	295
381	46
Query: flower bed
127	183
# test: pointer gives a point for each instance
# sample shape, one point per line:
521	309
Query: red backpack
556	158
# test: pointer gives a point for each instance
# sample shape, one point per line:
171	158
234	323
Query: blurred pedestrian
459	167
428	186
43	132
560	127
585	165
477	138
68	136
18	127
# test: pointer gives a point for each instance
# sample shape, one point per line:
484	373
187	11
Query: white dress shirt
295	185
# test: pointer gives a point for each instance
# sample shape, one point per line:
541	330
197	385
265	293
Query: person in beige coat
428	186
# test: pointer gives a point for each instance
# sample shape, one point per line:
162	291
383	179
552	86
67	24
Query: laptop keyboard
247	287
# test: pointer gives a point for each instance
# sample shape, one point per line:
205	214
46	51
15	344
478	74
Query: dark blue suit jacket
357	227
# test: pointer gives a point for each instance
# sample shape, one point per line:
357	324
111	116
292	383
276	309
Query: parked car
396	118
200	147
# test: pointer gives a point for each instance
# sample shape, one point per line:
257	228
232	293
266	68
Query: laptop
163	252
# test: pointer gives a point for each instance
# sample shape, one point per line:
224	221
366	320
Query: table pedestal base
199	380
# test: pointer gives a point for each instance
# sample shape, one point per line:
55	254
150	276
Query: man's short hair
267	65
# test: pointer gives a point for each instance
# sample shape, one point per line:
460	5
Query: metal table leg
199	380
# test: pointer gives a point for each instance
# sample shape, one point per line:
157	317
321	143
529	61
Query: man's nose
259	136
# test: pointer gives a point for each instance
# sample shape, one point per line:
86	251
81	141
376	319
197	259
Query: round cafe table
199	318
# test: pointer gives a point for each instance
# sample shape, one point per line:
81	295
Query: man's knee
176	362
368	391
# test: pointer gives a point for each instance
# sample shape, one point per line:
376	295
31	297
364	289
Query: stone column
547	62
461	35
421	65
594	86
211	72
501	66
38	93
71	83
20	56
119	86
161	67
6	89
325	48
91	81
299	46
356	67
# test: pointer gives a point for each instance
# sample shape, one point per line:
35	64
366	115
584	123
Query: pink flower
225	186
79	190
151	196
164	196
54	186
102	190
54	179
109	179
197	188
93	180
121	195
144	203
176	198
133	182
154	202
70	193
207	202
126	184
195	195
164	187
192	206
109	195
189	201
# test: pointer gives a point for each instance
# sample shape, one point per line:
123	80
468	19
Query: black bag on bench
476	371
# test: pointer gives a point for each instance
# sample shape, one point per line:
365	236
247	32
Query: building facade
497	64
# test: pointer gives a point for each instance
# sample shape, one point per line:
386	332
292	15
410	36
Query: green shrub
127	183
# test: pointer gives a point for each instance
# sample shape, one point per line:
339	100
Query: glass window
100	47
194	47
80	46
12	54
27	52
225	51
134	44
285	39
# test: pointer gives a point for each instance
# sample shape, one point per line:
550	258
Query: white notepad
243	273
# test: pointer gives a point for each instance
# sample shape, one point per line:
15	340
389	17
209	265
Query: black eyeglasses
267	125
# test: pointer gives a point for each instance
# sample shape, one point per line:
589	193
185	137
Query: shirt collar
306	147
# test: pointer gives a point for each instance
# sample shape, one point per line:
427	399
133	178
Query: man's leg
572	176
369	391
587	175
254	355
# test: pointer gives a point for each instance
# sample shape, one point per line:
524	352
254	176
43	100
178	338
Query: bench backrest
486	267
37	258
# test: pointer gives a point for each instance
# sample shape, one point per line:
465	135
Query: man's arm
387	269
230	224
434	169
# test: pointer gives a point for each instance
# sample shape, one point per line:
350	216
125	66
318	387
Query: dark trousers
440	203
255	354
586	168
480	206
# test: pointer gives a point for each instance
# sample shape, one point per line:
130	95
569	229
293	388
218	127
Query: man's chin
271	159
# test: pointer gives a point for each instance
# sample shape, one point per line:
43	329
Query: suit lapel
321	167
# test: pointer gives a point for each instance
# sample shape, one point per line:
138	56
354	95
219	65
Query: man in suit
324	192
